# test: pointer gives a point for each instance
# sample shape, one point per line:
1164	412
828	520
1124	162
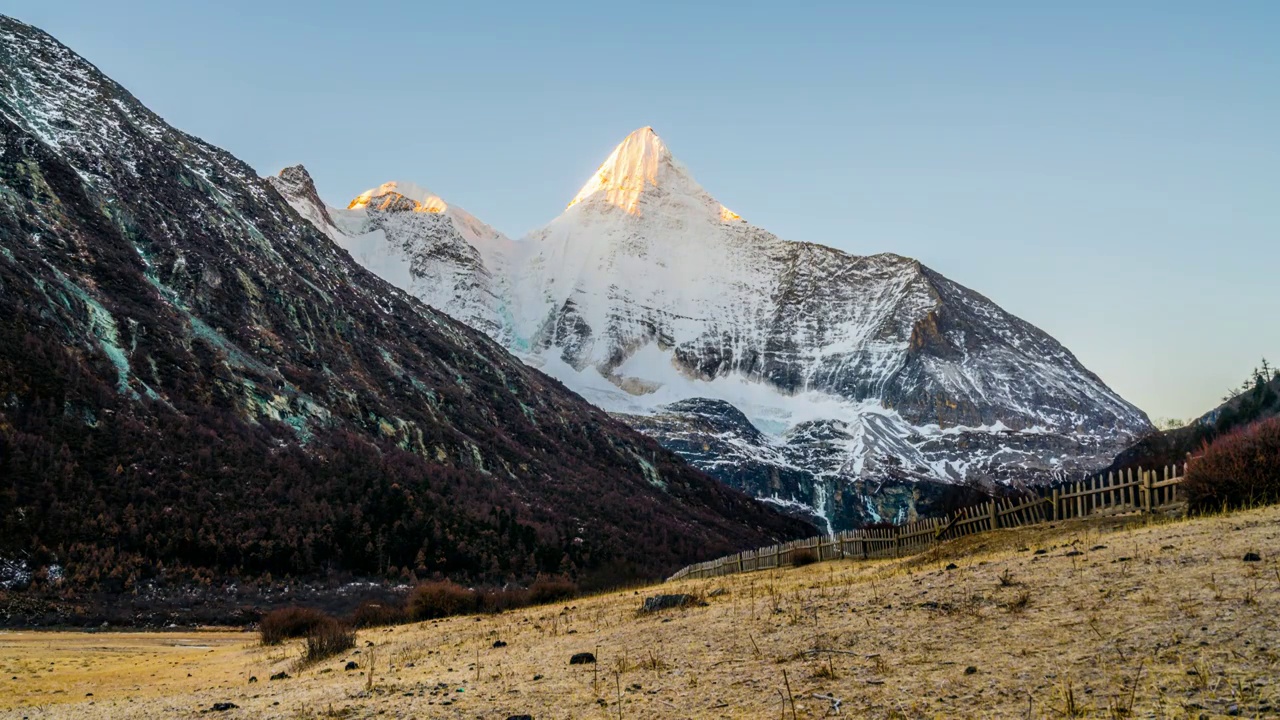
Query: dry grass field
1117	617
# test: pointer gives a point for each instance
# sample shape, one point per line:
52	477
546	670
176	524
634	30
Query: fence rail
1114	493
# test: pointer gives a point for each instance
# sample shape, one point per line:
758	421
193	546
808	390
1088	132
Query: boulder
666	602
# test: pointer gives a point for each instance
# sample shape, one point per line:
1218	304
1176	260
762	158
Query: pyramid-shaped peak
636	163
642	161
642	143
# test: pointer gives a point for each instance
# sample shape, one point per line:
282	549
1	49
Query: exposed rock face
860	370
295	184
807	466
193	377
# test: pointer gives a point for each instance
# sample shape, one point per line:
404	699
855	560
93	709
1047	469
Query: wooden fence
1115	493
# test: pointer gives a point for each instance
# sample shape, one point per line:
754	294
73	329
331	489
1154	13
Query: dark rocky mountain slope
196	382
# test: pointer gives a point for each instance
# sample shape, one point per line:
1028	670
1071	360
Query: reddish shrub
1239	468
551	589
440	598
279	625
373	613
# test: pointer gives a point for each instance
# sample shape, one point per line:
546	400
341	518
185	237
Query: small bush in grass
328	639
803	556
440	598
551	589
1237	469
285	623
373	613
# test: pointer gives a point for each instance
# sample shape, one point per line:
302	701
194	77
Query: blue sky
1108	171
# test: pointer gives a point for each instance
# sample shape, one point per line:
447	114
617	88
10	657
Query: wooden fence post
1056	493
1145	478
995	517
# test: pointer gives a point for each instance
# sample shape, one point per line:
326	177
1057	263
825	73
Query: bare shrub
551	589
279	625
328	639
439	599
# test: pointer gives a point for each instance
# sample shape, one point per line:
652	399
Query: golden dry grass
1116	617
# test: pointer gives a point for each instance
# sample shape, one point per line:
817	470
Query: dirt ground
1100	618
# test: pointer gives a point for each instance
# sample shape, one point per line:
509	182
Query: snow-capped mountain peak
632	166
399	196
813	371
389	195
413	239
639	165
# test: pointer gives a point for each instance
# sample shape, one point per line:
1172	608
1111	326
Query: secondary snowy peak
640	164
405	197
397	195
413	239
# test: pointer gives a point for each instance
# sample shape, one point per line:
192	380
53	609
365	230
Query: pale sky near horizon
1109	172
